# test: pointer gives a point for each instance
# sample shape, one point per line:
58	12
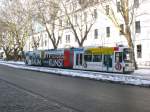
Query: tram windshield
127	55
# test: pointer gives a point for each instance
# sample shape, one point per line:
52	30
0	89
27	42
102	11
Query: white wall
143	38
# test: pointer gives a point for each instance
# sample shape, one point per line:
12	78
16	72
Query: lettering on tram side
56	61
37	62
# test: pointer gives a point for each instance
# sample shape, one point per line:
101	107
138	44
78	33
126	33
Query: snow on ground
143	72
139	77
12	62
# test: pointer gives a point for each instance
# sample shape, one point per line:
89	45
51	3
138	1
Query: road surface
77	94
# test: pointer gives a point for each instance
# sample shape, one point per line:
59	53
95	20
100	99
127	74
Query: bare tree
127	14
15	16
79	17
6	44
48	17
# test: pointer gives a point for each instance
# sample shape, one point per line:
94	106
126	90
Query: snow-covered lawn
139	77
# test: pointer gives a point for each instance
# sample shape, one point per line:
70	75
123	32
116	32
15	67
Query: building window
85	17
136	3
76	19
118	7
60	39
67	38
46	35
121	29
139	51
95	13
60	22
96	33
74	5
108	31
45	42
137	27
107	9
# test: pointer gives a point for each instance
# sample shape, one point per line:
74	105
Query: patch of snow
13	62
142	71
139	77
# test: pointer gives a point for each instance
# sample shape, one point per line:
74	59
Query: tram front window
127	55
118	57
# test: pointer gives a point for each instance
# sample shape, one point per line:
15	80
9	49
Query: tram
106	59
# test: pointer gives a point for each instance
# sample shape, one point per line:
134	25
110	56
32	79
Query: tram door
78	58
78	61
118	62
107	63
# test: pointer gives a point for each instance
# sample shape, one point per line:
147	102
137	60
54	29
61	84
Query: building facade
103	31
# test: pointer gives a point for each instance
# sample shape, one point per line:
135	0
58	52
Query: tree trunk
55	46
130	44
134	60
8	56
15	54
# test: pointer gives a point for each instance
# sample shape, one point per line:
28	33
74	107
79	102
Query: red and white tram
107	59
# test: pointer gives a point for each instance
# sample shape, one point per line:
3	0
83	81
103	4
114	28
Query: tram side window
81	59
77	57
118	57
97	58
46	56
38	56
88	58
107	60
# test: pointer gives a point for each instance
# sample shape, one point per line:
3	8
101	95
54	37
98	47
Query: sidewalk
140	77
